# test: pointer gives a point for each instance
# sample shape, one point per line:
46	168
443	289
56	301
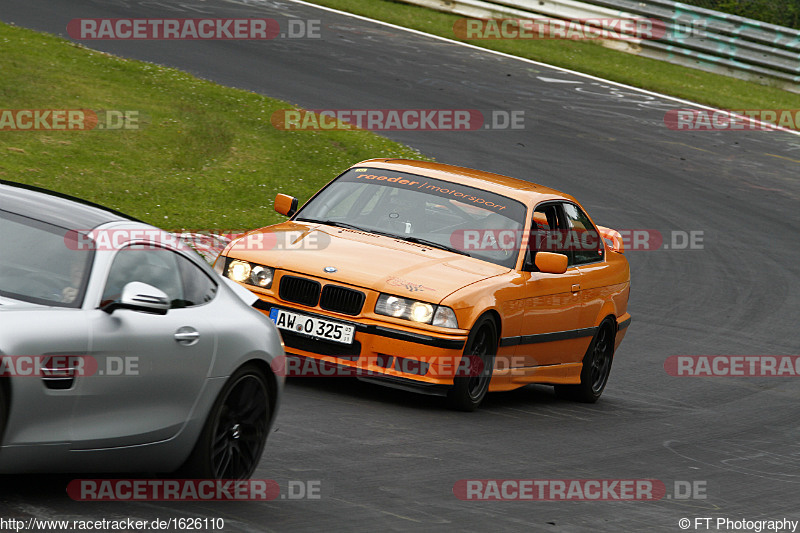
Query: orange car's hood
363	259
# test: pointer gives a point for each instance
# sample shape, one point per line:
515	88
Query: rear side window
583	239
198	288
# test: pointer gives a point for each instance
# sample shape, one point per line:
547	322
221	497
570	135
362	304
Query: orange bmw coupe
443	280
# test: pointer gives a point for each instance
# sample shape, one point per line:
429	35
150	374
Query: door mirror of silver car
142	297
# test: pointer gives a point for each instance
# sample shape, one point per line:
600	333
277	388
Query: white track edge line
767	125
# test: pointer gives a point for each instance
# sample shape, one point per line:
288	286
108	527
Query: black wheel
596	367
475	373
3	411
233	437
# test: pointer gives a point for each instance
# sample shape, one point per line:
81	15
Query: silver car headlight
249	273
416	311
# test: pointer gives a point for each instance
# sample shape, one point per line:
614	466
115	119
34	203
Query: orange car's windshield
442	214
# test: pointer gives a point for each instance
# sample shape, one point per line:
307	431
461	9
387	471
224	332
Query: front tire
3	410
233	438
596	367
468	391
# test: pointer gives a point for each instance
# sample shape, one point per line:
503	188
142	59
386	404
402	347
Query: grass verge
204	157
590	58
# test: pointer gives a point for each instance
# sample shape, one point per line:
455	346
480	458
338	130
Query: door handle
186	336
576	287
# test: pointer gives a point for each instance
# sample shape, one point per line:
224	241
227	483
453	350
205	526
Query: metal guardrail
695	37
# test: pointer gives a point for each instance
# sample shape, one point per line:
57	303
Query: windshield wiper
415	240
345	225
433	244
330	223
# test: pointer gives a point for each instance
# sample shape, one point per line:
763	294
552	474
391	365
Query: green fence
780	12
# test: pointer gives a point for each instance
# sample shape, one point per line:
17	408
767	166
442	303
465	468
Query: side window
548	218
198	288
582	238
547	231
184	283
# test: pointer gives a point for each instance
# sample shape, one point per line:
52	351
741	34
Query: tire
233	437
596	367
468	391
3	411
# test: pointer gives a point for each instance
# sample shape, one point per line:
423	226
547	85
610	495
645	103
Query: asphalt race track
388	460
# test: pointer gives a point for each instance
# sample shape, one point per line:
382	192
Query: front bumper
401	357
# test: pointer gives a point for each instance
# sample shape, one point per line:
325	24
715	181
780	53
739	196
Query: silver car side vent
61	378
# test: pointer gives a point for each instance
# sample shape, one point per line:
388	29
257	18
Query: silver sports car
121	350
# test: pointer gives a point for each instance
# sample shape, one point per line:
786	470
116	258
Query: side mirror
551	263
285	204
138	296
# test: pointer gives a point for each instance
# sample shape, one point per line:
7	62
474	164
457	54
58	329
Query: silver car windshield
38	264
427	211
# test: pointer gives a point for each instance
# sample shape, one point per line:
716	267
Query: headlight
391	305
261	276
421	312
239	271
244	272
445	318
416	311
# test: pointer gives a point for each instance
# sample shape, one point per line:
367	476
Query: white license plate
312	326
